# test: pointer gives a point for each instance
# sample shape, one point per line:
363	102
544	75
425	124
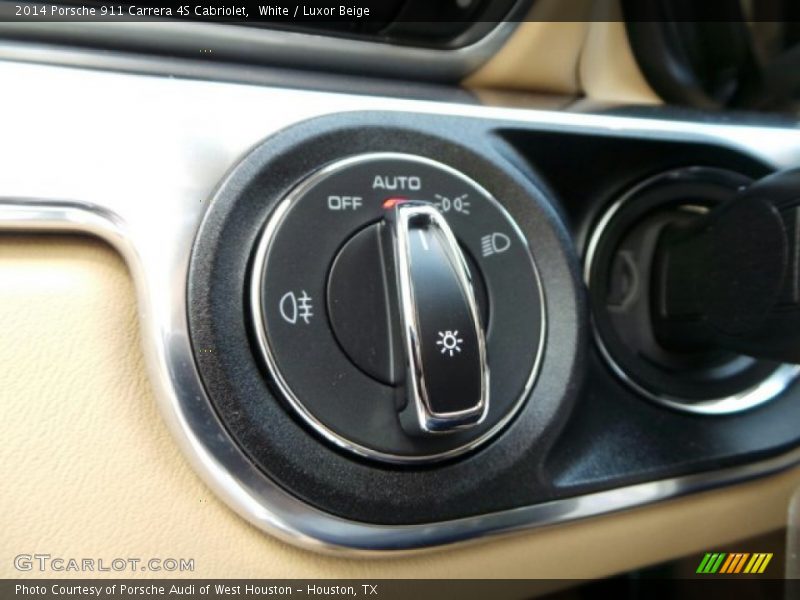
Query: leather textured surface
88	468
541	55
577	48
607	70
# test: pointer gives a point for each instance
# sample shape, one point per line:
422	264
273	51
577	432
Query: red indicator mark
390	203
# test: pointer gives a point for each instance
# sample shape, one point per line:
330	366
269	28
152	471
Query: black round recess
618	273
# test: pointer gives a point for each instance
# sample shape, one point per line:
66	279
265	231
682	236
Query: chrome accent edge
262	502
256	279
152	220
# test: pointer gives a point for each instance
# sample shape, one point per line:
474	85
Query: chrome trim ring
764	391
267	353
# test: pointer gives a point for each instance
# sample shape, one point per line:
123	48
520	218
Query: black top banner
344	12
372	14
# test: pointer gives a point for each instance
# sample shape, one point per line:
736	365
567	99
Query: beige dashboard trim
541	55
81	425
150	152
607	70
554	52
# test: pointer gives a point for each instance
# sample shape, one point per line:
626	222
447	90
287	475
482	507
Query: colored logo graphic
734	563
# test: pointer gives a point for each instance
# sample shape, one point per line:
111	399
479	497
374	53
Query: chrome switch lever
443	339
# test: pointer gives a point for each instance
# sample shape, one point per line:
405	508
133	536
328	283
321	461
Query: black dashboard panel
581	431
309	467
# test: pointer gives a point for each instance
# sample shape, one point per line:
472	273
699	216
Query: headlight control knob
410	276
384	289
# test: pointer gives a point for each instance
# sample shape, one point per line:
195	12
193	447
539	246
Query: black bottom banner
416	589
